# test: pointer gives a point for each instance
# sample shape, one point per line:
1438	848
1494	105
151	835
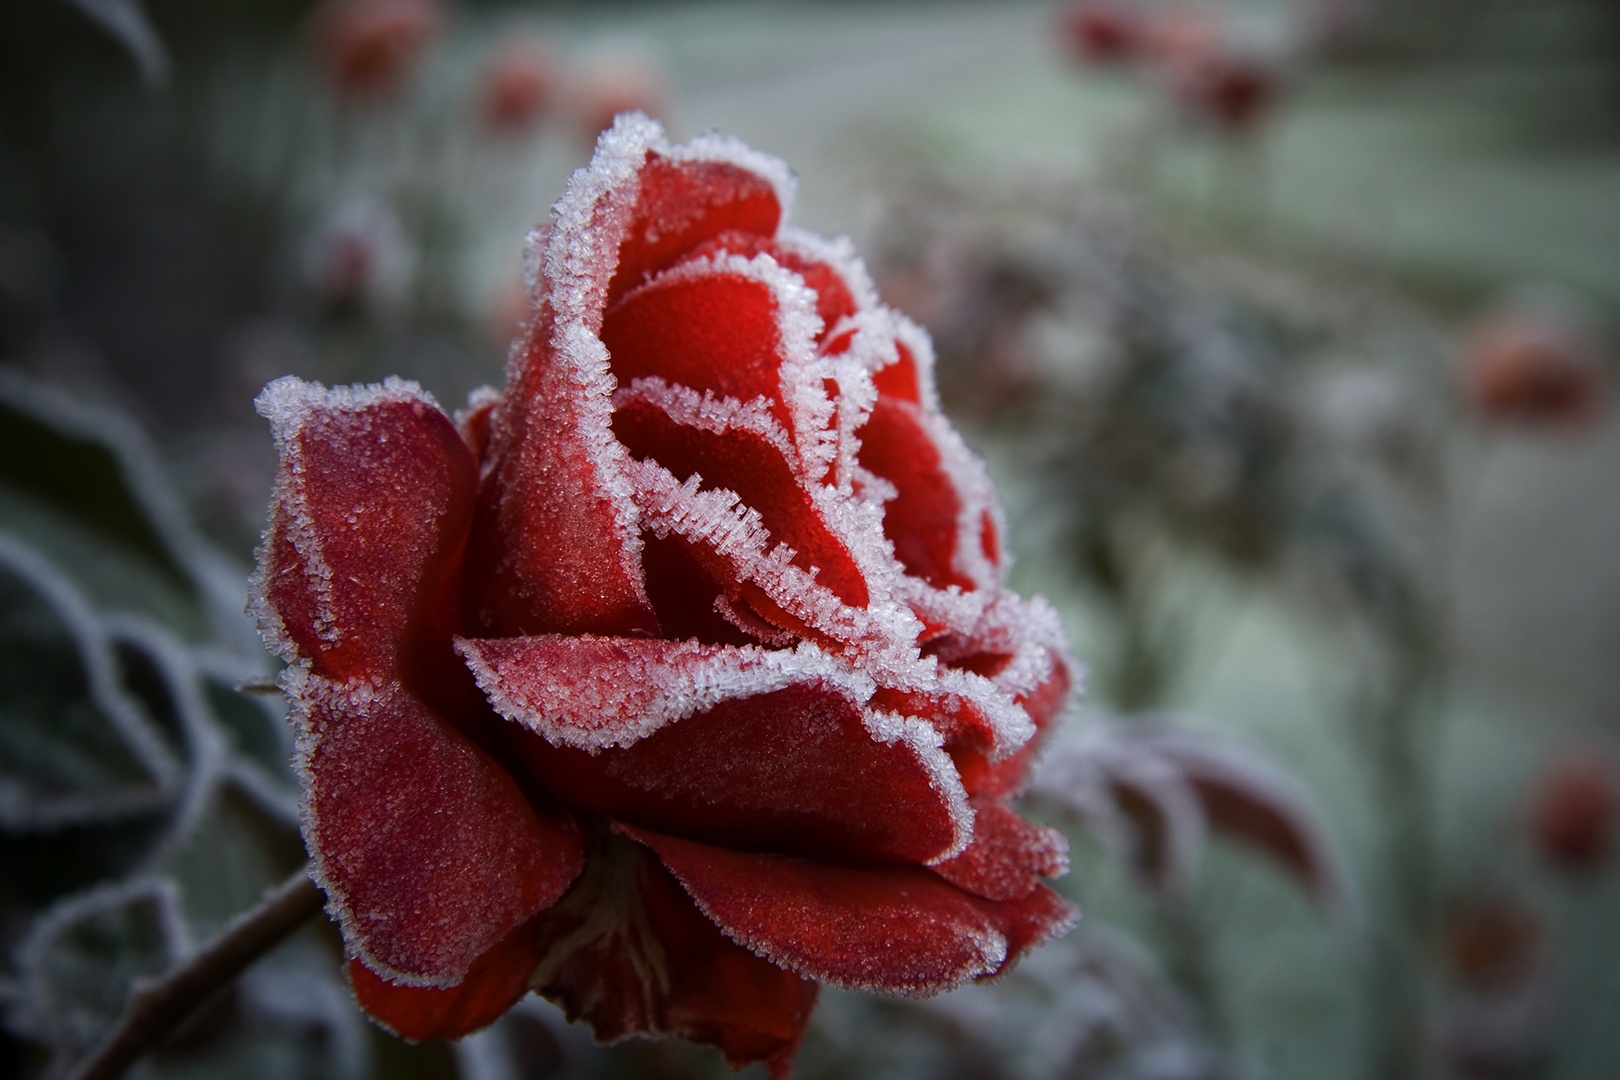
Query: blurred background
1287	327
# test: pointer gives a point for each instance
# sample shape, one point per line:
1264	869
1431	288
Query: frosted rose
681	678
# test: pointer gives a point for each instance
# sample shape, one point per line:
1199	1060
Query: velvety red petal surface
373	501
898	929
426	847
492	985
794	769
1008	856
553	546
680	204
628	952
900	381
712	331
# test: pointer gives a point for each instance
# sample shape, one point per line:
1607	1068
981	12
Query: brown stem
156	1008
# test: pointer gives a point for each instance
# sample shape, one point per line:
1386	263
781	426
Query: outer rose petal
492	985
372	502
898	929
627	951
741	746
1008	855
428	851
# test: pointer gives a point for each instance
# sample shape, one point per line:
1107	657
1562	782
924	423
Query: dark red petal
716	331
373	500
629	953
427	849
959	720
896	929
753	467
923	520
680	204
493	984
684	594
554	545
789	769
834	300
1008	855
1244	799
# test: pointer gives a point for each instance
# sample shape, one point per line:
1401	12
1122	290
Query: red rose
681	678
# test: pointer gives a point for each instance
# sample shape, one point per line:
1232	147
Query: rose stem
155	1009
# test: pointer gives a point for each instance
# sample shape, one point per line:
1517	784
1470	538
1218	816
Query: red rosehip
1103	31
1492	944
1573	813
1534	369
366	49
617	82
1227	91
519	84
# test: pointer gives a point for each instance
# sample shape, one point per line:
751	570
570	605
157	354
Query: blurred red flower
1103	31
1573	812
682	677
1227	91
366	49
1492	944
519	84
1532	368
614	82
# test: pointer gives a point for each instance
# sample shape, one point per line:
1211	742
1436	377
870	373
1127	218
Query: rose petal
372	501
628	952
820	270
896	929
496	980
681	203
555	543
752	465
730	541
704	328
428	851
1008	855
746	746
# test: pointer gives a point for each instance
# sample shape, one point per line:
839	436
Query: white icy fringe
668	682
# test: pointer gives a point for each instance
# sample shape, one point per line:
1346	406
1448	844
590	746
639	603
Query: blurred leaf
75	748
126	21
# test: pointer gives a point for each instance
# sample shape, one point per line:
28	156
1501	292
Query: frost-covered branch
156	1009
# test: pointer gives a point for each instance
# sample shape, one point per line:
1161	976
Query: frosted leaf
82	482
1152	794
79	748
127	21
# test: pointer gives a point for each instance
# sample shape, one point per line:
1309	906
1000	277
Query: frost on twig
144	801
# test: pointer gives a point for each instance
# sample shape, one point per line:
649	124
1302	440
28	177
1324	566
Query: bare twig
155	1009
